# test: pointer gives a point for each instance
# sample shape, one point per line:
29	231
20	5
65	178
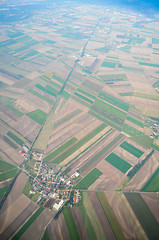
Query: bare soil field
18	221
16	191
101	216
144	174
80	224
110	180
152	201
6	119
36	228
128	221
58	230
27	127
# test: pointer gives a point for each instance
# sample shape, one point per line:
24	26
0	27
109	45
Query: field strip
93	217
138	230
85	146
101	99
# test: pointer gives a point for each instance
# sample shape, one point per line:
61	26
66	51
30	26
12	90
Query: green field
126	94
147	96
59	79
110	216
110	109
48	90
155	41
8	174
88	180
46	235
27	224
149	64
37	115
65	94
156	84
113	77
79	144
145	140
144	215
86	93
87	223
131	149
15	138
101	153
80	100
16	111
93	217
60	149
118	162
133	120
3	191
71	225
27	188
83	97
153	184
115	101
108	64
41	96
6	100
5	166
131	130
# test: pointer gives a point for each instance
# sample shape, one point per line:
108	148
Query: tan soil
36	228
16	191
128	157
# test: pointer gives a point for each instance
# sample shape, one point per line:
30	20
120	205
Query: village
53	188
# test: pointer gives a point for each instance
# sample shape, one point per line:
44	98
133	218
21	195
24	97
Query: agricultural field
79	121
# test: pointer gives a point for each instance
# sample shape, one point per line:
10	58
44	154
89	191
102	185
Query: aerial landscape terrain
79	121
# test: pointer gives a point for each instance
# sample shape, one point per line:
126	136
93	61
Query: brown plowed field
80	224
101	216
15	192
18	221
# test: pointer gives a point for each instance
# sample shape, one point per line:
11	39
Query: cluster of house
52	185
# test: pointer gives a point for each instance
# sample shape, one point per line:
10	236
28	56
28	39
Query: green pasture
110	216
3	191
15	138
131	149
149	64
115	101
110	109
44	89
60	149
8	174
16	111
143	140
41	96
37	115
28	224
27	188
153	184
46	235
135	121
87	223
88	180
144	215
83	97
5	166
70	222
93	217
131	130
118	162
